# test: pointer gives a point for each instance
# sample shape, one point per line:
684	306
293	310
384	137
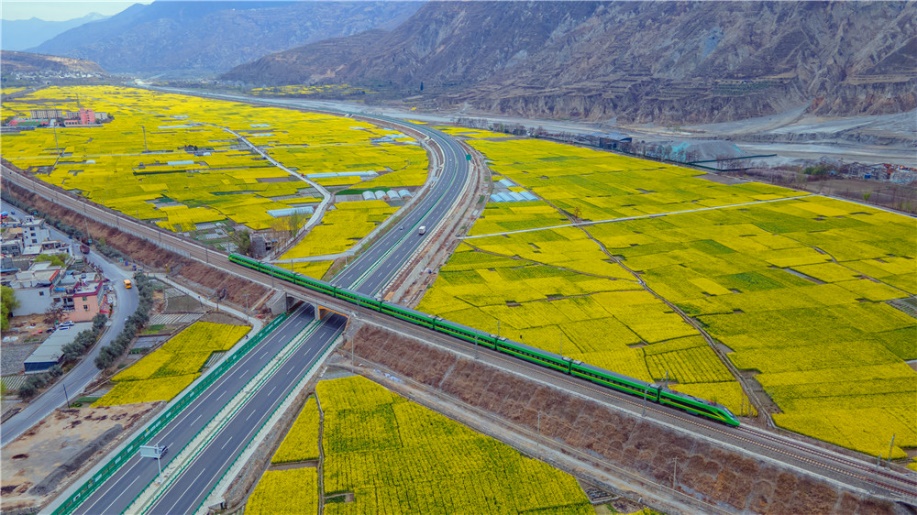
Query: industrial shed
50	351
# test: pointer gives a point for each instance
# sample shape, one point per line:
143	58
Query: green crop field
795	287
395	456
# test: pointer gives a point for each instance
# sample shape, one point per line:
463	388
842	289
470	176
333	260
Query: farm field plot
301	442
169	159
285	491
395	456
165	372
341	229
795	286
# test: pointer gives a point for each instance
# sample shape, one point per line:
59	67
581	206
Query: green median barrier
90	486
294	391
310	330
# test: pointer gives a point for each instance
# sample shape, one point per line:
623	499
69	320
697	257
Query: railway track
826	463
823	462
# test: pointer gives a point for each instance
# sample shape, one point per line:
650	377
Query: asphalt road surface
85	371
194	483
373	269
369	273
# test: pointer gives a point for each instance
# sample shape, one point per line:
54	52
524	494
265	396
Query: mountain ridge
669	62
14	62
190	38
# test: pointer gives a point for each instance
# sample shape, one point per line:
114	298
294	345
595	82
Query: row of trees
110	353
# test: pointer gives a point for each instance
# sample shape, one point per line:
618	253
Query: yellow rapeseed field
399	457
341	228
301	442
395	456
164	373
796	287
293	491
170	159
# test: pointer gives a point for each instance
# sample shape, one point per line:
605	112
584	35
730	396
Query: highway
370	272
116	494
85	371
373	269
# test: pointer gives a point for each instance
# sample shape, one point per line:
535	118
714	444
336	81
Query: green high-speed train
649	391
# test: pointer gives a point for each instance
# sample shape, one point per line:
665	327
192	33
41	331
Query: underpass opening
323	312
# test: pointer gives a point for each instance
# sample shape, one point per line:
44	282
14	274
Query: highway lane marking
227	442
272	391
210	440
176	423
428	208
310	362
117	497
190	484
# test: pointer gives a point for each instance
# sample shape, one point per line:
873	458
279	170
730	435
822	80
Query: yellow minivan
127	284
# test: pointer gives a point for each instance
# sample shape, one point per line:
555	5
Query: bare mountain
24	63
677	62
187	38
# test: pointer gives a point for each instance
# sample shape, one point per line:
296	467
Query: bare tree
295	222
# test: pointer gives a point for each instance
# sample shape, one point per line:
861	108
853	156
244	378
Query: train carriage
649	391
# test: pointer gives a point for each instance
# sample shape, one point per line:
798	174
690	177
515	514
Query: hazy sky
62	9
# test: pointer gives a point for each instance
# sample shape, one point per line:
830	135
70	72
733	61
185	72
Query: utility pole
890	447
56	145
145	147
68	397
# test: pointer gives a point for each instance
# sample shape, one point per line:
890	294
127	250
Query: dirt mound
43	460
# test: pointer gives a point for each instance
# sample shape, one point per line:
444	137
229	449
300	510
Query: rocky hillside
194	38
24	63
664	62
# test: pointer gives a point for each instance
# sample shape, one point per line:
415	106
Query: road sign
151	451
